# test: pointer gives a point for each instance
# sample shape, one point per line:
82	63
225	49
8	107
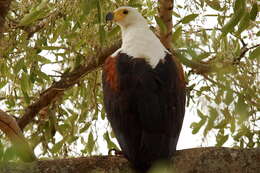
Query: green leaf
232	125
214	4
85	128
3	83
229	97
200	114
3	68
1	151
197	126
221	140
110	144
177	34
56	147
221	125
255	54
50	47
239	5
42	75
35	14
9	153
26	96
102	35
161	24
72	138
90	143
229	26
19	65
189	18
176	14
254	11
202	56
213	115
100	11
88	5
24	82
258	33
63	129
113	32
43	59
244	23
241	108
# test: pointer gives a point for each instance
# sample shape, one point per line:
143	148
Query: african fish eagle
144	92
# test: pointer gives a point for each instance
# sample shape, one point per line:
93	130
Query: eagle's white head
138	40
127	17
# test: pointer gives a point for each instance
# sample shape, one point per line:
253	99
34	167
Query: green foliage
226	97
160	23
37	12
214	4
255	54
189	18
73	32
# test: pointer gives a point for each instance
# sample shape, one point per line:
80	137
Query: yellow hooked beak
117	15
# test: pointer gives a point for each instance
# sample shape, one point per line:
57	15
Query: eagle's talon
116	152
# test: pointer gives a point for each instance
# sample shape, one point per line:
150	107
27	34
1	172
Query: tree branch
31	30
165	13
4	8
10	127
67	81
202	160
243	52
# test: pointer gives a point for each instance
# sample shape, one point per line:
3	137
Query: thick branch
202	160
10	127
4	8
165	13
67	81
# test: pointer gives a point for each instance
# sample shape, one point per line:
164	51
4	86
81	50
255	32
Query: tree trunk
197	160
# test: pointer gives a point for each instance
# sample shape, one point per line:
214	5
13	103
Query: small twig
243	52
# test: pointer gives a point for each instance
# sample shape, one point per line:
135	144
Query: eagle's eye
125	12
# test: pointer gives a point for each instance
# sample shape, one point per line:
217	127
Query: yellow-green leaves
113	32
161	24
229	26
110	143
177	34
56	147
241	109
25	83
239	13
88	5
214	4
213	114
197	126
102	34
35	13
244	23
189	18
255	54
221	139
254	11
90	143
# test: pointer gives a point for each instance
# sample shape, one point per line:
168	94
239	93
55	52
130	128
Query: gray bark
197	160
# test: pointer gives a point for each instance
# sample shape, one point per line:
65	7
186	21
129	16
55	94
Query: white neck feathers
139	41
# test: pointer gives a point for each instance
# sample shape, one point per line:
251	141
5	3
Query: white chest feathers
141	42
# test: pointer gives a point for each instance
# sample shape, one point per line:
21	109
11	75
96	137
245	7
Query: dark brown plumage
145	106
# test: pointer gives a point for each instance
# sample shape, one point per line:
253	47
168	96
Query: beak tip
109	16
